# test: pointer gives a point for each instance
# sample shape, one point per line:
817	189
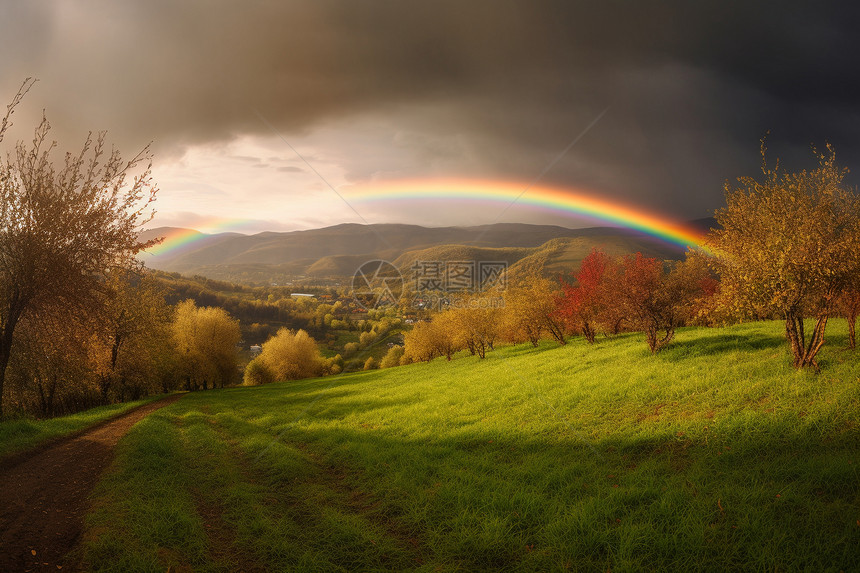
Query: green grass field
713	455
25	433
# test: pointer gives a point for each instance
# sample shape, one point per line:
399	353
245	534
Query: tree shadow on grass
512	350
639	476
721	344
771	476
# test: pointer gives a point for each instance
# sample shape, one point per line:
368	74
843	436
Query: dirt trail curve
43	497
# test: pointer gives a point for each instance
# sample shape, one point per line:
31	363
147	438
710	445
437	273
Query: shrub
334	365
350	348
366	338
392	357
292	356
257	373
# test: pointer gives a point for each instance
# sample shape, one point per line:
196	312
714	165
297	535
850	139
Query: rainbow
503	193
175	239
506	193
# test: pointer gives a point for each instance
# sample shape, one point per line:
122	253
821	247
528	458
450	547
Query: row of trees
787	247
79	317
636	293
136	345
80	321
606	294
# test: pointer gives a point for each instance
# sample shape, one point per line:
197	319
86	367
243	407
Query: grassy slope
713	455
26	433
559	256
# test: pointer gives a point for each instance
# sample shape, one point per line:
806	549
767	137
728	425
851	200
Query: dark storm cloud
691	85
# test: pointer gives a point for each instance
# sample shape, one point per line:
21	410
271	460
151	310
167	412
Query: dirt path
43	498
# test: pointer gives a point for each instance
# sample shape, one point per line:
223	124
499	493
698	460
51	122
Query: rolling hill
337	251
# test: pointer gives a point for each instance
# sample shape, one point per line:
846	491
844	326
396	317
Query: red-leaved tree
583	302
656	301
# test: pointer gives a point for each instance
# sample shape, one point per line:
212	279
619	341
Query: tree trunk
556	331
804	352
670	335
104	387
655	344
52	391
4	361
533	335
588	331
791	333
651	339
114	351
16	307
43	402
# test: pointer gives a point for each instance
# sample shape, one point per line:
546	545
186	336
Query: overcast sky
377	91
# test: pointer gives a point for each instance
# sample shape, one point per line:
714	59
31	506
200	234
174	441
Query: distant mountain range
339	250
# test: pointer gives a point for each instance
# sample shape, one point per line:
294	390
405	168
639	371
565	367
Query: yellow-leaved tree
205	340
429	339
64	221
788	245
131	336
531	309
288	355
475	323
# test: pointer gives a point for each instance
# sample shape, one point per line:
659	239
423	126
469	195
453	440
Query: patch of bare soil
44	495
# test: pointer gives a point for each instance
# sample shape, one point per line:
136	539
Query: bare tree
64	226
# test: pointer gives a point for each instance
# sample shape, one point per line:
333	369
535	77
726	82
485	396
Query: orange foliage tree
849	305
531	309
788	245
63	224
